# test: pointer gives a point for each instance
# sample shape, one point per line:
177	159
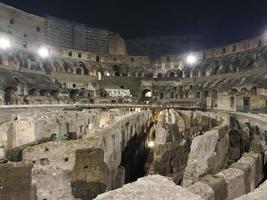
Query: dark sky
225	20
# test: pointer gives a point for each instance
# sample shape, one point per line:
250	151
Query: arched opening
103	93
253	91
197	95
84	68
161	95
43	93
97	59
179	74
181	95
232	102
146	95
33	92
73	94
171	75
1	60
205	94
235	145
82	93
233	92
10	95
78	71
159	75
244	91
214	98
116	70
172	95
246	103
54	93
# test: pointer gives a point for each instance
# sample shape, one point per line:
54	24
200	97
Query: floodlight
43	52
5	43
151	144
191	59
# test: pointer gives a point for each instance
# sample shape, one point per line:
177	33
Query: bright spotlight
151	144
43	52
5	43
148	94
191	59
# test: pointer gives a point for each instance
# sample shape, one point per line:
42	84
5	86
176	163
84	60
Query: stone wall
151	187
91	165
30	127
240	178
208	152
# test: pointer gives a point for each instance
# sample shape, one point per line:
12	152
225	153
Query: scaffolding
73	35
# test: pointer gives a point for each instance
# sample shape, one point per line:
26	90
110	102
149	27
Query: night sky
215	20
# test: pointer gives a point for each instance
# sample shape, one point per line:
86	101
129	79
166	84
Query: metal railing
104	105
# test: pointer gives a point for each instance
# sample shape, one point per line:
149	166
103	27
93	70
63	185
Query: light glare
151	144
5	43
191	59
43	52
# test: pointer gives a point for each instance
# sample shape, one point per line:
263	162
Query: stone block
203	190
217	184
235	180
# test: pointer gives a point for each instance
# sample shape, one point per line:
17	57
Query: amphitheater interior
93	122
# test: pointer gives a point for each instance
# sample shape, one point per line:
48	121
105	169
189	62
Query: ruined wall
240	178
117	45
91	165
152	187
27	29
208	152
15	182
26	127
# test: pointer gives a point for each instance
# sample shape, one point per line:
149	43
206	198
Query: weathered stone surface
151	187
208	154
90	165
15	182
254	161
259	194
235	180
217	184
202	189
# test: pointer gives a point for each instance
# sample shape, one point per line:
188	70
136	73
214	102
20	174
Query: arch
214	98
232	102
97	59
234	92
161	95
82	93
179	74
206	94
43	93
146	95
181	95
253	91
79	71
32	91
1	60
159	75
73	94
244	91
10	95
116	70
171	75
54	93
197	94
84	68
